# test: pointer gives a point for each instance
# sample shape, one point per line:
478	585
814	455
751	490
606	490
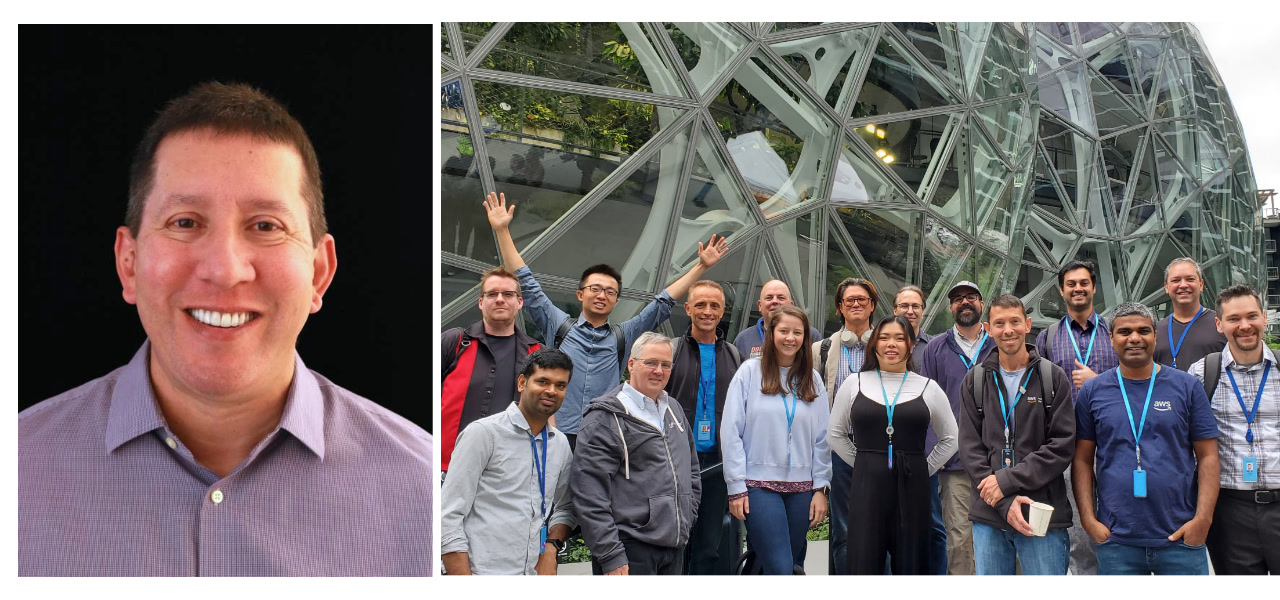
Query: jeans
938	534
841	484
1177	558
997	552
776	527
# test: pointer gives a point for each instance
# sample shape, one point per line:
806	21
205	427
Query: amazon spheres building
904	153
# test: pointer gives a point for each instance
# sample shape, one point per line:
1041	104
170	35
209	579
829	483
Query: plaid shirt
1062	354
851	360
1232	447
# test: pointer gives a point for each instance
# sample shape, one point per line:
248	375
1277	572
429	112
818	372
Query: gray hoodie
632	482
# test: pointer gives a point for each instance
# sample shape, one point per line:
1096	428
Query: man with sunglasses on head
598	349
480	363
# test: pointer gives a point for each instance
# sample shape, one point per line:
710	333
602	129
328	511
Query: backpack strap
733	352
823	350
1049	334
1046	387
1212	373
622	344
563	331
458	338
675	356
978	386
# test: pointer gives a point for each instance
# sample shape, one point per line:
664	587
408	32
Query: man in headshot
215	451
773	293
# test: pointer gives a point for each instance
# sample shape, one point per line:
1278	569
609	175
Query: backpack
1213	371
462	340
1044	367
823	350
567	325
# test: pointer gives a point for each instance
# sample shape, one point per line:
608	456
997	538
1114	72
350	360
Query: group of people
1107	446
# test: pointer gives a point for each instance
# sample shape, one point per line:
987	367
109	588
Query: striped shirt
851	360
1232	447
341	487
1062	354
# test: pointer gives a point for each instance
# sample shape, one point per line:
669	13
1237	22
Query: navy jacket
941	362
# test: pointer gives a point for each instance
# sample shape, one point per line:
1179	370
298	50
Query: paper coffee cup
1039	518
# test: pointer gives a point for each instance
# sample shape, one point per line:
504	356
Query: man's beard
967	317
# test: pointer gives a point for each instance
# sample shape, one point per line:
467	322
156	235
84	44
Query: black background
87	94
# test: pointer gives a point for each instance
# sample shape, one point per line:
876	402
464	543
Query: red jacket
470	385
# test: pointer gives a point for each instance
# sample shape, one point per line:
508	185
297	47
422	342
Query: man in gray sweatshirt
634	481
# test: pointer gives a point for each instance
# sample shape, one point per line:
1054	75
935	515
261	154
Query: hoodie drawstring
673	419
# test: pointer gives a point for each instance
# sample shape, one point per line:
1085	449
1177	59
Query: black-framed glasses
965	298
595	289
857	301
507	294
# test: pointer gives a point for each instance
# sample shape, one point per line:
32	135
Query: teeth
218	319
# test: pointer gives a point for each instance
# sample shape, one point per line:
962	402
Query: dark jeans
841	483
1244	537
706	539
1178	558
937	533
647	559
776	527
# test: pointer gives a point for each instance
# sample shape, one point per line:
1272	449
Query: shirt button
216	496
170	443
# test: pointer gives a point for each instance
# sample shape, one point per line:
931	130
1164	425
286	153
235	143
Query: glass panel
1208	106
1002	65
840	265
1146	65
444	41
1095	35
1173	95
1066	93
896	83
713	204
1147	29
1051	306
1099	213
733	273
944	255
1185	228
1006	214
790	26
764	272
1217	276
1175	182
889	242
1113	62
1154	252
800	246
778	139
547	149
468	316
973	45
916	146
629	227
1213	216
1050	54
457	284
1045	192
1113	112
1119	156
826	61
706	49
1030	278
609	54
990	175
1059	32
860	181
988	270
1145	199
472	34
938	43
1010	125
952	185
467	232
1058	244
1070	155
1111	284
1181	138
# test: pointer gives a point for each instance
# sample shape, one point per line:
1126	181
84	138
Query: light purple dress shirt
341	487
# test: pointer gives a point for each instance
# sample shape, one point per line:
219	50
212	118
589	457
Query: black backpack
1213	371
617	335
1045	368
460	341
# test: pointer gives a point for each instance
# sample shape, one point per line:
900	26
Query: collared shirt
594	350
1101	359
492	499
851	359
1232	447
969	347
644	408
341	487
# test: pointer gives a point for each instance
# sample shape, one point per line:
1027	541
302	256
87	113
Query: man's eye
265	227
184	223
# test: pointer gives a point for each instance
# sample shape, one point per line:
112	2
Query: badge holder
1250	469
1139	479
704	430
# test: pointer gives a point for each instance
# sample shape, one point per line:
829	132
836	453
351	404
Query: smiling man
215	451
1188	334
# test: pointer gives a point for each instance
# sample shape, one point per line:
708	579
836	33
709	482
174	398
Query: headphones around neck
849	340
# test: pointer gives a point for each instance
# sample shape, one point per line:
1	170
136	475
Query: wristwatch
559	544
826	490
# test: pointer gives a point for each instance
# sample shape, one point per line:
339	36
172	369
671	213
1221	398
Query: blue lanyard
848	355
1250	414
968	364
760	328
1137	431
708	392
889	408
791	415
1175	349
541	466
1006	412
1084	360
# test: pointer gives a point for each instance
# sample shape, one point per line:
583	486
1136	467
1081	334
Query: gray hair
910	288
1129	309
1183	261
652	337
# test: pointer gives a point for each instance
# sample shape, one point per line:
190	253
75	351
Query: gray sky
1247	61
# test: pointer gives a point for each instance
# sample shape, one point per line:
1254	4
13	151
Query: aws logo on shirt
1163	405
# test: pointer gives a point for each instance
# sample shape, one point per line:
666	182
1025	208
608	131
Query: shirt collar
1230	361
134	410
517	418
639	399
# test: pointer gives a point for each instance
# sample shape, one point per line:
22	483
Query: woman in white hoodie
878	424
774	442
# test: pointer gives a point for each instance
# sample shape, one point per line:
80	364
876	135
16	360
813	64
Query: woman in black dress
878	424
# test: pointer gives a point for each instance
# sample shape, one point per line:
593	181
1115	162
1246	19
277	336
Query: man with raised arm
598	350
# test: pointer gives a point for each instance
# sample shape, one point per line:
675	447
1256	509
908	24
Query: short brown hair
226	109
498	272
1236	291
1006	301
706	283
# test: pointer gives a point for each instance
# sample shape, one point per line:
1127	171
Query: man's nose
225	258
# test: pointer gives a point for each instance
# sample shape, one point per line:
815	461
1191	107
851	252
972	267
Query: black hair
872	362
1079	264
602	269
548	358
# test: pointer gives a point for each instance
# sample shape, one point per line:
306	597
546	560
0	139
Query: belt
1255	496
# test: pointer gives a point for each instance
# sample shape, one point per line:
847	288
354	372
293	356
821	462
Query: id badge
704	431
542	535
1006	457
1250	469
1139	483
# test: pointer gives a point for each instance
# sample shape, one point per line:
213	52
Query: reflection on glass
1045	192
944	254
1105	254
460	286
1148	257
889	241
990	175
706	49
840	265
1113	63
1112	111
1173	95
1050	54
789	26
777	138
1002	65
1066	93
1059	32
939	44
1119	155
1070	155
973	44
896	82
1146	65
1008	124
1094	36
444	42
1000	226
609	54
800	245
917	147
712	204
826	61
858	181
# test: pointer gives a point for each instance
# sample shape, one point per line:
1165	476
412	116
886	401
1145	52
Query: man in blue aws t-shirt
1151	429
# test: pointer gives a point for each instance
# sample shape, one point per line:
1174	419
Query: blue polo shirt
1179	415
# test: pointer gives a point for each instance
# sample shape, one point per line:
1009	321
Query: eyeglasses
653	365
965	298
595	289
915	307
859	300
509	295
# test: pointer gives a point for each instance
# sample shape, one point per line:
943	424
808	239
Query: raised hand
710	254
500	215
